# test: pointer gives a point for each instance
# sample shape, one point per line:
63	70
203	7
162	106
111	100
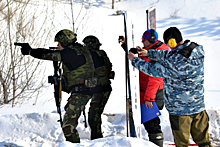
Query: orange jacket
150	85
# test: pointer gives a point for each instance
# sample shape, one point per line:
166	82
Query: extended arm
157	55
39	53
46	54
151	69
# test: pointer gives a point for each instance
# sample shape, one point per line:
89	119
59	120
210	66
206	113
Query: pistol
21	44
134	50
53	48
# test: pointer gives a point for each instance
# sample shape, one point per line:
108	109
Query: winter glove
26	49
121	39
111	75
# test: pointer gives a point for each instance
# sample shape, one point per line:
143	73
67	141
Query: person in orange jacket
151	88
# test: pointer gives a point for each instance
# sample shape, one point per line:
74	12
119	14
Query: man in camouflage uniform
182	70
102	91
82	73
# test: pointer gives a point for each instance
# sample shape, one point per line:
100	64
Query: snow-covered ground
31	125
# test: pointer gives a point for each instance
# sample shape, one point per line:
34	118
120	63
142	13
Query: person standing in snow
151	88
182	70
84	72
102	91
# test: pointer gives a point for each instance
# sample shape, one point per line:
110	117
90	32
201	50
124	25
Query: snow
29	125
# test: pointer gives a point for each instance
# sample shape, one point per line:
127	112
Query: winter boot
96	134
156	139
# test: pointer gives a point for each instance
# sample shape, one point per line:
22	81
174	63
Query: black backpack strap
186	52
157	45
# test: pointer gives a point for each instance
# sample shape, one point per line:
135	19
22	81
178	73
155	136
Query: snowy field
29	125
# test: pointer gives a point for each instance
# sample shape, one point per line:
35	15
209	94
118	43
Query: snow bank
42	129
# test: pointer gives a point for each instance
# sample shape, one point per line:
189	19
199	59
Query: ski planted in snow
133	115
129	114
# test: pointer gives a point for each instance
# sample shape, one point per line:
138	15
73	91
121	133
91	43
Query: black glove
26	49
111	75
121	39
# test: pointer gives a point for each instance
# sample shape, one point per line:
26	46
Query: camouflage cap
65	37
92	42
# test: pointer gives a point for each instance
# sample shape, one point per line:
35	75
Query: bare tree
34	22
22	77
113	4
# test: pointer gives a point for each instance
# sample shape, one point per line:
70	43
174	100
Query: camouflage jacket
183	77
78	64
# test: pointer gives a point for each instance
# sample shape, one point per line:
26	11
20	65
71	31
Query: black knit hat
172	32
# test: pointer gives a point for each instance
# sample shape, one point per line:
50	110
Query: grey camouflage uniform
183	78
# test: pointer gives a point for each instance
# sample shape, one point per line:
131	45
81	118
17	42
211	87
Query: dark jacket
83	70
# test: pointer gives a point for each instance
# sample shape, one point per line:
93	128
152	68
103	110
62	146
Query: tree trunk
113	4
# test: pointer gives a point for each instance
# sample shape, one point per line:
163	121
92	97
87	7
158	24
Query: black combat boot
156	139
96	134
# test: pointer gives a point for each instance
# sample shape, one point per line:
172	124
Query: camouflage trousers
97	106
197	125
75	105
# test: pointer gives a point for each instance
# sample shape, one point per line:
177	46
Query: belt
80	89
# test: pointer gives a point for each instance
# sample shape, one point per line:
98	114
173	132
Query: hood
192	51
197	52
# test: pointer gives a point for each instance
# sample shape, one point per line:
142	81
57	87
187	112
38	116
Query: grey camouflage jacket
183	77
